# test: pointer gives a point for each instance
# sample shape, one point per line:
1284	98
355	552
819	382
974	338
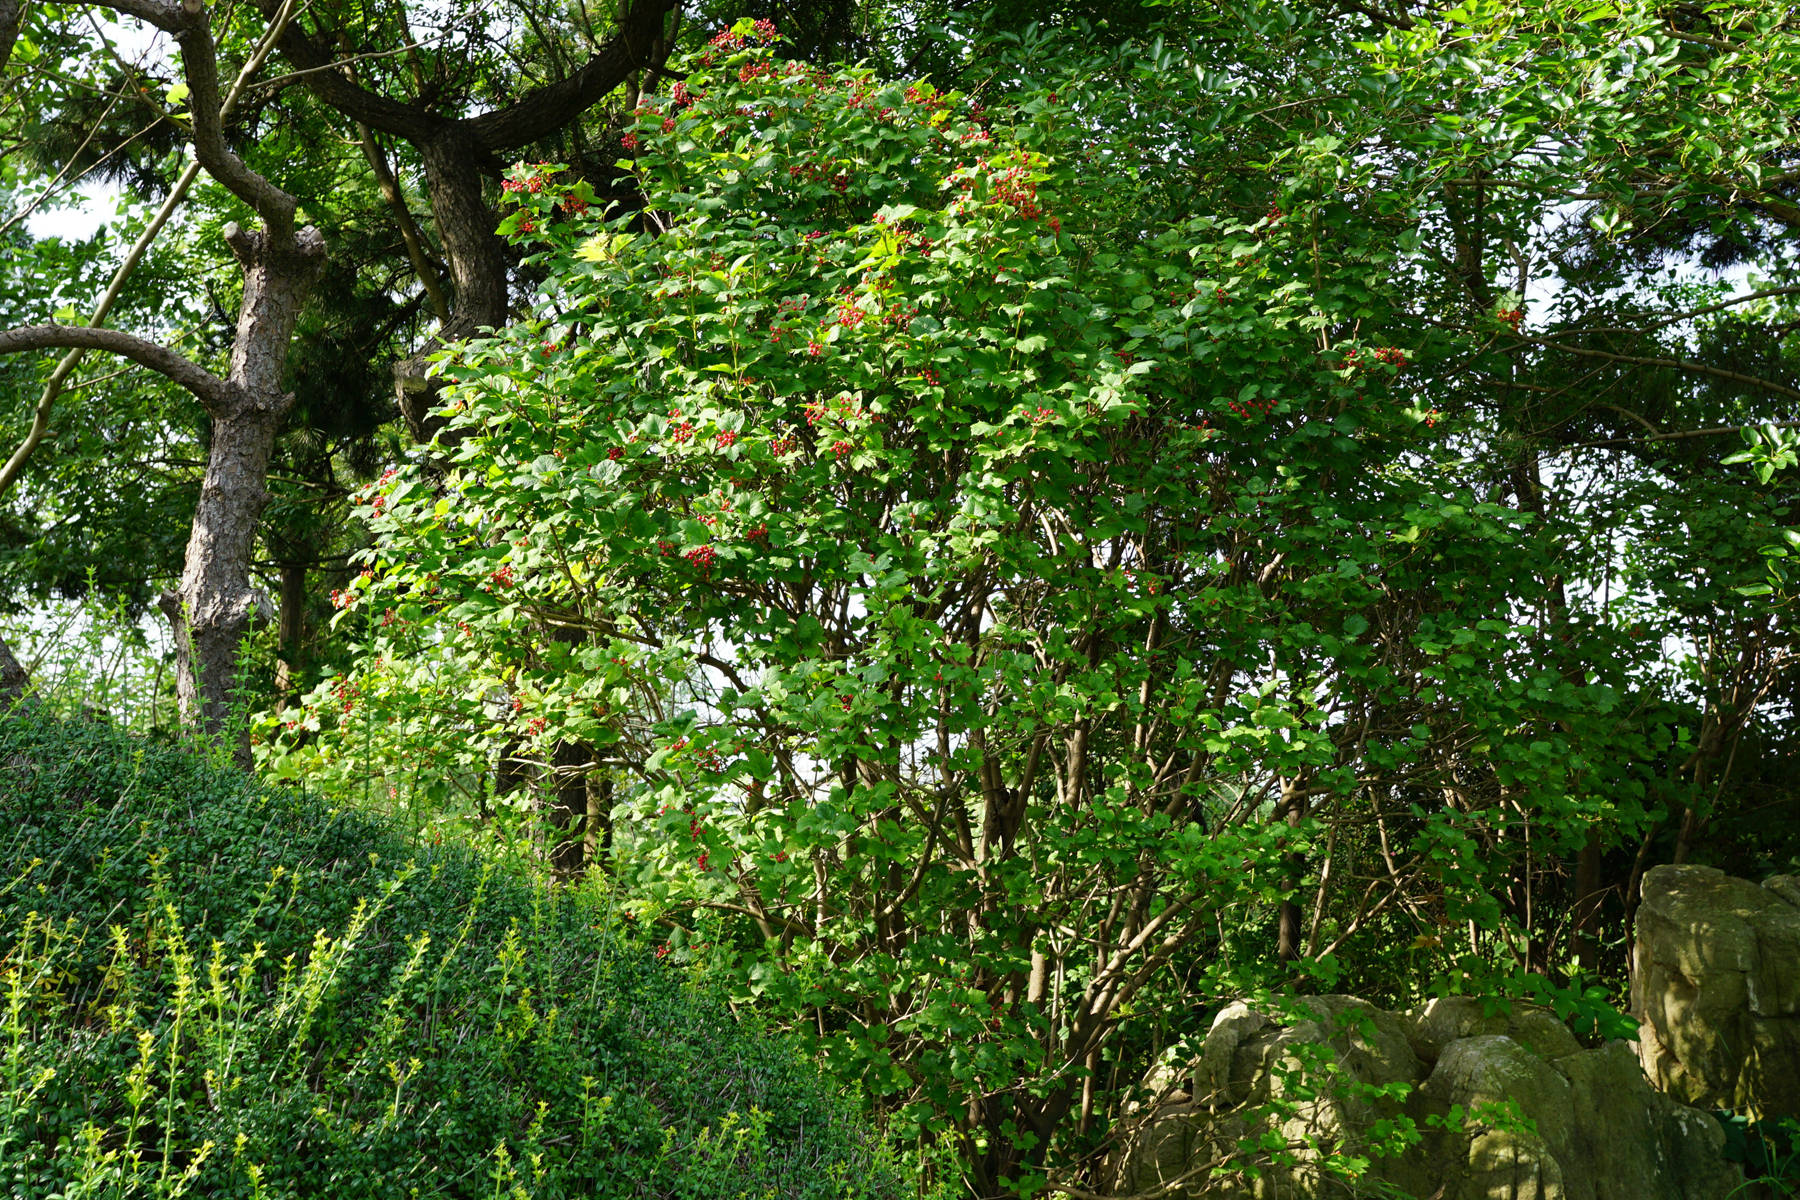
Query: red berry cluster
785	312
841	448
1012	187
725	439
725	39
930	376
533	183
503	577
1250	410
842	408
1512	316
701	556
822	169
917	94
342	599
1392	356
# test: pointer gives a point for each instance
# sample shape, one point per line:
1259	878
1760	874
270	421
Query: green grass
212	988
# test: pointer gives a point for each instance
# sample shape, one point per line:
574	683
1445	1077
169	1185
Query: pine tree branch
209	389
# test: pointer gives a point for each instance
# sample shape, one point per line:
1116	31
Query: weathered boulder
1495	1107
1716	987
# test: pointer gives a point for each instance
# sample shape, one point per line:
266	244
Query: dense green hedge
221	990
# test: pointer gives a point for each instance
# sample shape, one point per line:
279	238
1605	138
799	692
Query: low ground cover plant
215	989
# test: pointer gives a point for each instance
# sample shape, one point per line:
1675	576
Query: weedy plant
92	659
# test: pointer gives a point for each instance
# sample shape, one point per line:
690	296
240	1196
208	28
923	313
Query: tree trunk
212	608
14	679
12	12
569	808
466	231
1588	894
291	632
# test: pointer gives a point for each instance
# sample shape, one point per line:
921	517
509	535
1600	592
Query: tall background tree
451	76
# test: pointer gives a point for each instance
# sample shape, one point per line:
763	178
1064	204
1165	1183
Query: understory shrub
216	989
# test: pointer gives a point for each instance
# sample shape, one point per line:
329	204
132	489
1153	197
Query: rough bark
459	153
211	609
12	14
569	808
465	226
13	678
208	388
290	632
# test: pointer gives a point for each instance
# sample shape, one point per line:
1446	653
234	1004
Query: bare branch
166	17
211	391
639	44
1676	363
409	228
1676	435
315	61
293	77
200	66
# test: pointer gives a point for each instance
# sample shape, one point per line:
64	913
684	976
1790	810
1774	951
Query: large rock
1497	1107
1716	988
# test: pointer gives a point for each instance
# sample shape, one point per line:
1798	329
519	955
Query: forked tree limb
530	117
40	421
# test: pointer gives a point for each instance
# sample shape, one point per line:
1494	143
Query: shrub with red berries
956	510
